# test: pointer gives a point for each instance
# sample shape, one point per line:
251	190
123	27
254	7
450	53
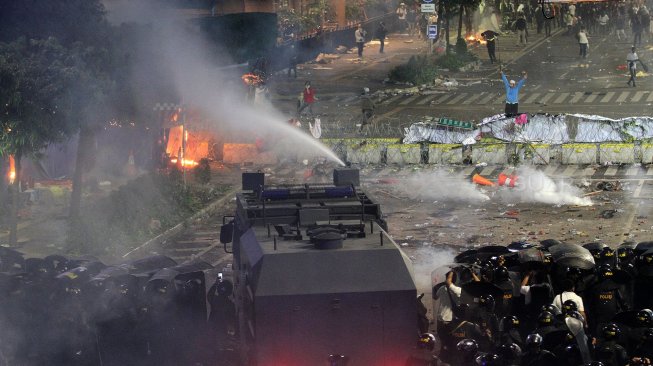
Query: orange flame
251	79
12	170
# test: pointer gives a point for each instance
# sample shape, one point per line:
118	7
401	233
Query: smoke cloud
441	186
427	261
535	186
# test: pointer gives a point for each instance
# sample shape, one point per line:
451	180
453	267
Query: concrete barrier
365	153
647	153
445	154
617	153
404	154
534	154
490	154
579	153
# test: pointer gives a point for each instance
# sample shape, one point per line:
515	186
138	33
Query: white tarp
542	128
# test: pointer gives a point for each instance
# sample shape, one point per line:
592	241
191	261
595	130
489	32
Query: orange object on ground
478	179
507	180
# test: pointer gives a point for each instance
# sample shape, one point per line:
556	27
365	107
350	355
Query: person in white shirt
631	62
569	294
583	42
402	11
360	39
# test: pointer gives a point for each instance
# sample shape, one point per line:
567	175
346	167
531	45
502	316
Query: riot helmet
546	318
595	363
508	323
605	272
468	347
488	359
487	270
569	306
647	258
625	254
610	331
551	308
426	341
644	318
486	302
509	352
607	254
534	340
574	272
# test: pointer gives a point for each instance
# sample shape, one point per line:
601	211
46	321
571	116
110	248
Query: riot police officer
546	324
535	355
467	350
608	350
510	354
509	331
485	316
423	353
501	278
604	299
644	349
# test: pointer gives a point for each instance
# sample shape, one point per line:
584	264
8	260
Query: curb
175	230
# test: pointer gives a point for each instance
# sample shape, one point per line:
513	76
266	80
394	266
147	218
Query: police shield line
59	311
549	303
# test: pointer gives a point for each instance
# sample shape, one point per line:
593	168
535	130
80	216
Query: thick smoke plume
535	186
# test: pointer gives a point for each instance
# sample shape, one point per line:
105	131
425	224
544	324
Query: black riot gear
534	340
610	331
488	359
551	308
645	318
486	302
508	323
426	341
509	353
546	318
569	306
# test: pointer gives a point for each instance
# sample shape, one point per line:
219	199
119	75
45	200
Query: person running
367	108
512	93
307	100
631	61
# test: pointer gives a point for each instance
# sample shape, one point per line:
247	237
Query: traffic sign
432	31
428	8
427	1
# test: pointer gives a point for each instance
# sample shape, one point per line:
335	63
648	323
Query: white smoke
535	186
441	186
428	259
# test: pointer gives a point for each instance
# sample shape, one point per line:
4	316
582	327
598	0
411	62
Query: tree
34	80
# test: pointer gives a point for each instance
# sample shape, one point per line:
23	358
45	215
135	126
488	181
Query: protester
402	13
583	42
360	39
512	93
308	98
381	33
367	107
490	39
631	62
522	29
292	61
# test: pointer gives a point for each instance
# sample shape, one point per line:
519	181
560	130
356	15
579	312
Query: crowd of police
521	305
59	311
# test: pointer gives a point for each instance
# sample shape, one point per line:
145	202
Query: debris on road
609	186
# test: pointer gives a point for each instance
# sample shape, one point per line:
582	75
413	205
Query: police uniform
539	358
604	300
611	354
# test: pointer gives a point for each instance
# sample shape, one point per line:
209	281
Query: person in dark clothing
604	299
539	18
292	61
509	331
548	15
423	355
535	355
367	107
522	29
490	39
462	330
485	317
608	350
381	33
636	26
645	347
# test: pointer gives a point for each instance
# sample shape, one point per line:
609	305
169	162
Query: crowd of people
507	309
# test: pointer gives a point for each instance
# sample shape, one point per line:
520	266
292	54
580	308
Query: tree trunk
446	19
15	201
460	22
84	147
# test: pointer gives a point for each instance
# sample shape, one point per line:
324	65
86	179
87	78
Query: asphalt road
559	81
